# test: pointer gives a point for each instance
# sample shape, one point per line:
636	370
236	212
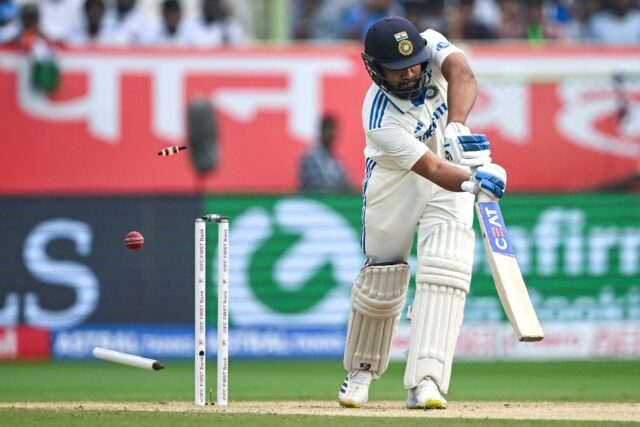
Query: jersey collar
404	105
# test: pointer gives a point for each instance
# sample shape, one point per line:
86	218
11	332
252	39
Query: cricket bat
506	273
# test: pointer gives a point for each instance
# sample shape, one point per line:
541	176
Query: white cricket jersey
399	132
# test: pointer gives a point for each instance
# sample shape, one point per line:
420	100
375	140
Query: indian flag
401	36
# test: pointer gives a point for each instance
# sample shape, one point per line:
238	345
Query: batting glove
488	181
461	147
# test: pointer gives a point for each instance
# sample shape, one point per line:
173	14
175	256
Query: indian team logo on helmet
404	44
405	47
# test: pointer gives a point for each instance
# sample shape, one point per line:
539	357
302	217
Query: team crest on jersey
405	47
430	92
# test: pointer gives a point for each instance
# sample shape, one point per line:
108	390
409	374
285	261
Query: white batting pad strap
448	257
377	298
435	325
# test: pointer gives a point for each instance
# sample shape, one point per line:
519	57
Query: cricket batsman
423	168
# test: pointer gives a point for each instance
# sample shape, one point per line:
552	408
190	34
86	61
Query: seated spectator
217	25
126	25
174	30
540	27
59	17
9	25
618	23
488	13
427	14
360	17
581	12
319	169
317	20
559	13
512	20
463	24
91	30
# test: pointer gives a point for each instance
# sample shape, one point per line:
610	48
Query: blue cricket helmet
394	43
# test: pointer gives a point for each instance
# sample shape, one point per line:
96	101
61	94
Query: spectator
513	20
581	12
319	170
174	29
59	17
463	24
426	14
488	13
317	20
540	27
559	13
9	25
45	76
361	16
217	25
618	23
29	28
127	25
91	30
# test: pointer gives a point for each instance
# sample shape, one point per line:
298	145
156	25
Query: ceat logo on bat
491	217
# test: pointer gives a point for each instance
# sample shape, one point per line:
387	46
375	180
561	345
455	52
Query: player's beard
407	84
406	89
409	89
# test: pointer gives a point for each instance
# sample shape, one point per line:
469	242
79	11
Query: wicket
222	386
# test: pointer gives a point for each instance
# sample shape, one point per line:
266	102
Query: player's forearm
461	97
440	172
462	88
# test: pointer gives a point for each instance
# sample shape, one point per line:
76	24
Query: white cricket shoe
426	395
355	389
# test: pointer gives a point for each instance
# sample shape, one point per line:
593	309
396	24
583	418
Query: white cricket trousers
396	203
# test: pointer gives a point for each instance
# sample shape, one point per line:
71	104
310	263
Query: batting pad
377	299
448	257
442	284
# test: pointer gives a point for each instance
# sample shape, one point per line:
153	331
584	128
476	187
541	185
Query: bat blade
506	273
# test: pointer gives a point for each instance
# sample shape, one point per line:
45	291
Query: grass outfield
11	418
615	381
598	382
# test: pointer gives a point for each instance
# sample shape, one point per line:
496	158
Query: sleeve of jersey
438	46
398	144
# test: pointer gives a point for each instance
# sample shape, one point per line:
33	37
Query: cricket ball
134	240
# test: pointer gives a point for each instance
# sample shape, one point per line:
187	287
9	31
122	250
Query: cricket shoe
426	395
354	392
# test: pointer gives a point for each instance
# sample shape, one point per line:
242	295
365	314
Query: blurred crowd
595	21
215	23
117	23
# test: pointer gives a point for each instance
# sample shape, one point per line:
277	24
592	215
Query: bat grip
484	197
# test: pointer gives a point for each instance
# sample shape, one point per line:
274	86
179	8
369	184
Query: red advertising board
557	119
23	342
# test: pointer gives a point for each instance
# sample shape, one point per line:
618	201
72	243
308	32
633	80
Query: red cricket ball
134	240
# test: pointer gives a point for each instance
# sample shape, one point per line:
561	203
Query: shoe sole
348	404
430	404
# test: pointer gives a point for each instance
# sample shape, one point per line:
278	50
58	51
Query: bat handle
484	197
